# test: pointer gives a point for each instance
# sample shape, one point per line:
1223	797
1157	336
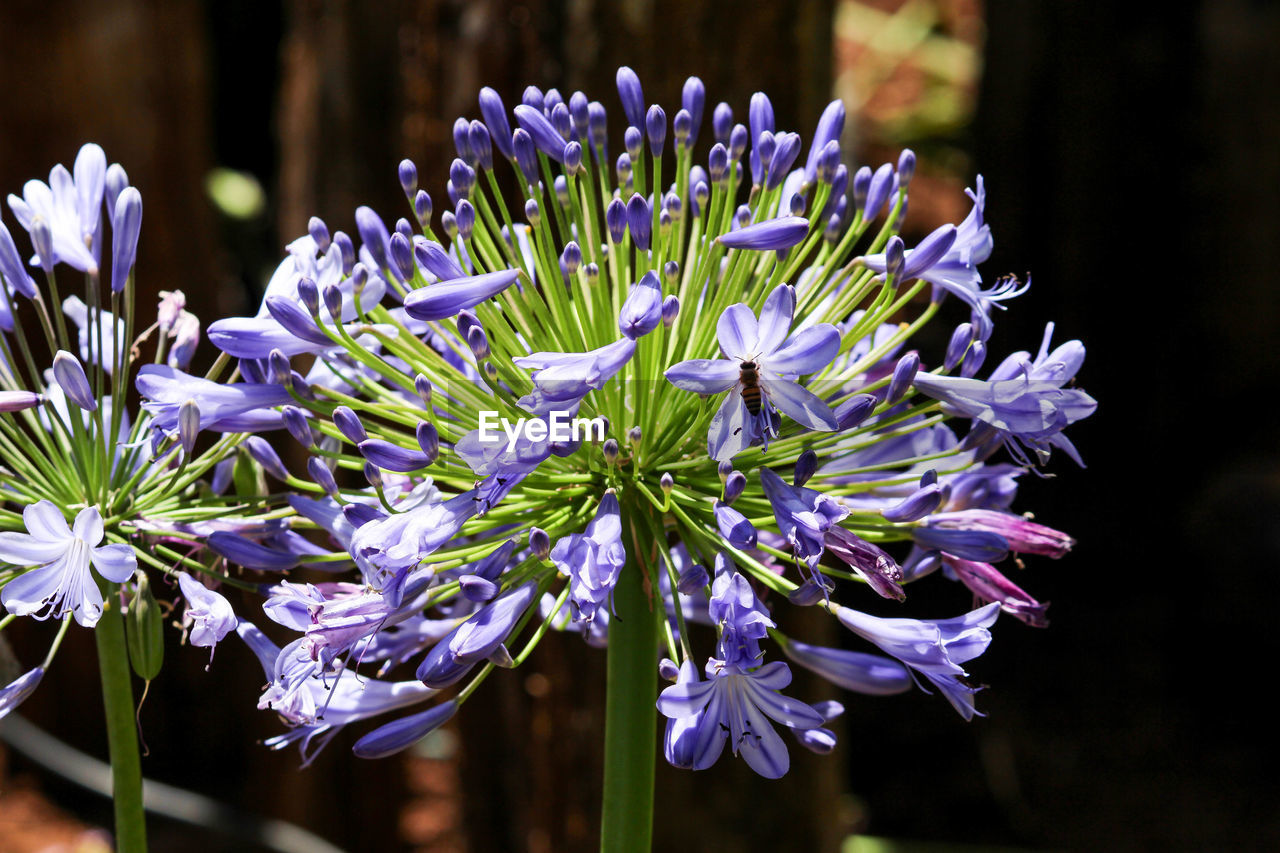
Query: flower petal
88	526
737	331
703	375
800	404
732	428
807	351
116	563
45	521
19	549
775	319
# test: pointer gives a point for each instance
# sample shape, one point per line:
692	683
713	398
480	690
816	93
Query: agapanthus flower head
658	359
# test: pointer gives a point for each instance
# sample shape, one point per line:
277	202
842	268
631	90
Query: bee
750	379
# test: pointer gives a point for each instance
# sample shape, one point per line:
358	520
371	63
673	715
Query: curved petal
45	521
775	319
732	429
765	753
685	700
790	712
19	549
88	526
26	594
807	351
737	331
703	375
800	404
116	563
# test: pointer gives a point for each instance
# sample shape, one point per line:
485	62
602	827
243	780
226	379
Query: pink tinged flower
736	706
62	583
209	617
1022	535
988	584
776	360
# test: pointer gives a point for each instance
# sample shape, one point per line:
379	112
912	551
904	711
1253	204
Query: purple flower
16	692
569	376
739	616
804	516
476	639
1022	535
389	546
70	207
857	671
390	738
734	705
734	526
593	560
126	223
1024	403
987	583
11	266
317	705
776	360
771	234
935	648
208	617
229	407
446	298
62	583
642	311
872	563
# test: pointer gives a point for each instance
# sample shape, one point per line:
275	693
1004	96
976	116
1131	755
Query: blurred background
1132	159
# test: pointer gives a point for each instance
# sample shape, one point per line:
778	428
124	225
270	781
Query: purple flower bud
743	215
551	100
466	321
893	255
784	155
16	692
722	123
188	426
393	737
610	450
580	112
915	506
346	249
718	164
670	310
668	670
321	475
542	132
929	251
1023	536
448	221
633	141
737	142
478	341
361	514
447	298
642	311
734	527
797	205
572	257
878	191
373	233
988	584
42	240
572	158
17	401
278	365
693	579
422	386
114	183
760	115
762	155
222	473
12	267
461	145
561	121
392	457
533	97
373	474
598	128
615	218
250	554
539	543
830	126
724	469
640	220
985	546
408	172
434	259
693	98
666	482
319	233
265	455
781	233
309	295
655	125
958	346
348	423
126	223
828	161
466	219
906	167
623	170
904	373
861	186
296	423
463	178
682	127
526	155
973	361
631	95
562	191
806	465
477	589
734	485
428	439
495	117
854	411
332	297
71	378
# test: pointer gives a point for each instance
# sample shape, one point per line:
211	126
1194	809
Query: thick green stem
122	739
630	733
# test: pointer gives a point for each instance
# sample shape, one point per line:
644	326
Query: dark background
1132	161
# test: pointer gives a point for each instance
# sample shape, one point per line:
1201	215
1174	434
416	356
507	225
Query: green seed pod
144	630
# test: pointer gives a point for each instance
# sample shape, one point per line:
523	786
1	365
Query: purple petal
116	562
703	375
737	332
403	733
800	404
807	351
445	299
769	235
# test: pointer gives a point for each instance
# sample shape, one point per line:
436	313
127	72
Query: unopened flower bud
428	439
348	423
296	423
408	177
71	378
904	373
734	485
806	465
188	426
539	543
